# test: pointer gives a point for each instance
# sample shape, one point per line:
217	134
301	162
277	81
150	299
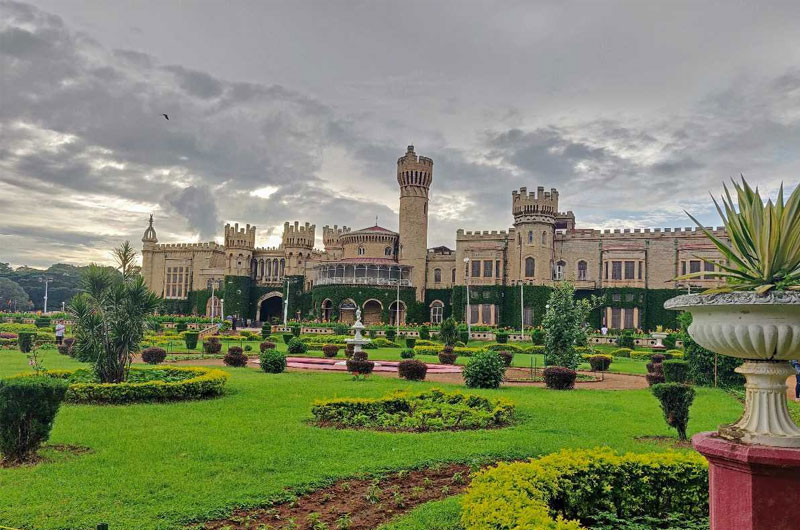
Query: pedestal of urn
659	336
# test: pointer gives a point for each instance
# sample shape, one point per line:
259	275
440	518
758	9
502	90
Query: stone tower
534	224
330	237
239	245
298	245
414	175
149	241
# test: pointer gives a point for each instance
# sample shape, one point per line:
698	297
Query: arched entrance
270	307
395	315
326	310
372	313
347	312
213	307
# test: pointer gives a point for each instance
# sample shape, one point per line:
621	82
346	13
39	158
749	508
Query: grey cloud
197	205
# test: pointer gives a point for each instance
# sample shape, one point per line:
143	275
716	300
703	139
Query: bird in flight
167	117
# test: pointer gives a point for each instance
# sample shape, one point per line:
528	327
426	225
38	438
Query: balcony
363	272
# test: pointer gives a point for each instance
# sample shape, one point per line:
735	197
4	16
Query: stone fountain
358	340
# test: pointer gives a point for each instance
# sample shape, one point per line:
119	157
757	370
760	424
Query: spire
150	233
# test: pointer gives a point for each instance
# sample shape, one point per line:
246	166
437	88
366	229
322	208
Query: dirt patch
38	458
355	504
666	441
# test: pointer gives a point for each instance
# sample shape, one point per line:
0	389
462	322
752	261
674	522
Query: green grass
160	465
437	515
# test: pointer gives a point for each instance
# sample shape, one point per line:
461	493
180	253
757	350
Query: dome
150	234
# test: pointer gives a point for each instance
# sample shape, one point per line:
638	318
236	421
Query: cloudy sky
298	110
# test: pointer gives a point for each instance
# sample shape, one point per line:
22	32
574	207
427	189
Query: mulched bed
523	375
666	441
366	502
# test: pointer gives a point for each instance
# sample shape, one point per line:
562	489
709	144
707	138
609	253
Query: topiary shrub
675	371
296	346
501	337
267	345
622	352
330	350
349	349
448	332
248	347
235	357
412	370
287	337
411	342
600	363
190	338
25	341
359	365
447	355
407	353
655	370
154	355
212	345
670	340
181	326
67	347
295	330
559	378
463	336
272	361
424	333
485	370
626	340
537	337
266	330
391	334
675	399
506	357
658	358
28	406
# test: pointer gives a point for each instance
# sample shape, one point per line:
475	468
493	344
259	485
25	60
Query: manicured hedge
434	350
676	371
600	362
568	489
190	338
25	341
559	377
412	370
626	352
272	361
199	383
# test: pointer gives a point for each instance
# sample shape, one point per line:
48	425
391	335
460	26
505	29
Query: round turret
150	233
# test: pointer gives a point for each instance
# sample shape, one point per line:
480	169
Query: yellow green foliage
434	350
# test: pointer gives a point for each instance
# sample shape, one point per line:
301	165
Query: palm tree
125	256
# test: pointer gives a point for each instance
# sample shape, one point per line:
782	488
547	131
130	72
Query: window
683	268
616	318
694	265
453	275
558	270
473	314
437	309
708	267
486	311
544	238
387	251
582	267
606	266
361	251
641	263
476	268
616	270
497	268
437	277
177	282
487	268
629	298
527	316
530	237
630	270
530	267
616	297
629	323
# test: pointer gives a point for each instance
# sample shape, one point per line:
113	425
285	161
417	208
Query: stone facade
542	247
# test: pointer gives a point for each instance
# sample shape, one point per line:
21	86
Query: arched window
544	238
437	309
387	251
437	275
453	275
582	270
361	251
530	237
530	267
558	270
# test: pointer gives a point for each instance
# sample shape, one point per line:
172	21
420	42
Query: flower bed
144	385
576	489
434	410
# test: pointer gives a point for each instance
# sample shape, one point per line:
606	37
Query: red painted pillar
751	487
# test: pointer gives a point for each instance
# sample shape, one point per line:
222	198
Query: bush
67	347
626	340
295	330
296	346
424	333
506	357
448	332
154	355
501	337
701	361
247	347
330	350
341	329
675	399
272	361
412	370
266	330
42	322
407	353
670	340
568	489
235	357
391	334
381	342
676	371
622	352
190	338
559	378
267	345
287	337
28	406
25	341
655	368
359	365
485	370
447	355
181	327
410	342
600	363
212	345
537	337
657	358
463	336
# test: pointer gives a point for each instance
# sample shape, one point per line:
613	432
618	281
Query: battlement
539	202
267	250
298	235
330	236
413	170
240	237
209	245
478	235
643	233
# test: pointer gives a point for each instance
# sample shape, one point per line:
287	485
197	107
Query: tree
448	332
12	296
111	315
563	324
125	257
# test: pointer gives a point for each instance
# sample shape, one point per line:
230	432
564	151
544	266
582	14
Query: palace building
395	276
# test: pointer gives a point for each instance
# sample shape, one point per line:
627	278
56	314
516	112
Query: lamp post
46	281
522	310
286	304
397	302
469	313
221	309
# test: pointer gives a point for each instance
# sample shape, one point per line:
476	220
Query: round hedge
485	370
573	489
412	370
272	361
194	383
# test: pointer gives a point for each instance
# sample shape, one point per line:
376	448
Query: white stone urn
765	331
659	336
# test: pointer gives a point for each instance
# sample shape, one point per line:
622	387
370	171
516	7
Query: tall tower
414	175
239	245
298	245
149	241
534	224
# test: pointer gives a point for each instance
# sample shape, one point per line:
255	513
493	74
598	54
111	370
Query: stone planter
764	330
659	336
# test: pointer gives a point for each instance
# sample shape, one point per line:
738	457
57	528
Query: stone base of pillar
751	487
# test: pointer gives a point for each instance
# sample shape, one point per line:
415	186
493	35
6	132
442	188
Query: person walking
60	327
796	365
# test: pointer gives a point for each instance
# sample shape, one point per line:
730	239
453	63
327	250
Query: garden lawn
162	465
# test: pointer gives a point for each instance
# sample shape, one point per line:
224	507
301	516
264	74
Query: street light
286	303
46	281
469	313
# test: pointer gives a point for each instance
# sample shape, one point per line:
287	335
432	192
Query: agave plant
763	251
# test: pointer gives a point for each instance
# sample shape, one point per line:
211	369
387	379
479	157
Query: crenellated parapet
478	235
330	235
541	205
190	246
299	236
644	233
236	237
414	174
